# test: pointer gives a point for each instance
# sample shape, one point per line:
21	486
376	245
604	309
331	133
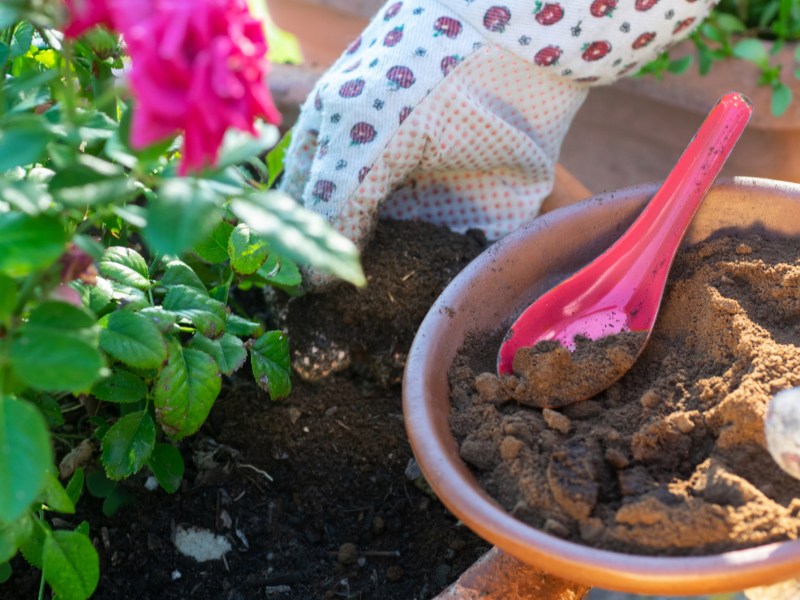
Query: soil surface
672	458
317	494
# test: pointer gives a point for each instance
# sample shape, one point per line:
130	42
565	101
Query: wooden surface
499	576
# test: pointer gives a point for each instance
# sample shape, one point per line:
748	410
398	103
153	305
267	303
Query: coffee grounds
548	375
671	459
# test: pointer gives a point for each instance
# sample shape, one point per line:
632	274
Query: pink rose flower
85	14
197	67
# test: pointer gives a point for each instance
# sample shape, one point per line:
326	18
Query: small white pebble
200	544
782	430
176	575
151	484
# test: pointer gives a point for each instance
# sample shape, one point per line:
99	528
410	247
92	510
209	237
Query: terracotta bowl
488	295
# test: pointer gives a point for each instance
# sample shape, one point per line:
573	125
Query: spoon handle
667	216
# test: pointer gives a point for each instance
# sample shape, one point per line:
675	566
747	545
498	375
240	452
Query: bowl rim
458	490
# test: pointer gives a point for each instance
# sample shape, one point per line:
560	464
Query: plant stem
28	287
68	80
41	581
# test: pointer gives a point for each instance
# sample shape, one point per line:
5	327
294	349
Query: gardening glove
453	111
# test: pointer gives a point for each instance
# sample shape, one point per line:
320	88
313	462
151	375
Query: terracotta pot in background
324	28
487	296
696	92
633	131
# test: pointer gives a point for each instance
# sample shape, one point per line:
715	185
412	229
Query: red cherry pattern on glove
393	37
547	56
549	13
447	26
497	19
643	40
362	133
400	77
644	5
596	50
352	88
602	8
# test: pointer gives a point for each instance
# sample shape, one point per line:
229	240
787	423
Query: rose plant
134	200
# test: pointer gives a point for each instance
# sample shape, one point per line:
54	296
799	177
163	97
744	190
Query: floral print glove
453	111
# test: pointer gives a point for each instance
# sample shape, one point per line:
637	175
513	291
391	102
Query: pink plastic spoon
621	289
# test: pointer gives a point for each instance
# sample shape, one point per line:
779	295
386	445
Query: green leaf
97	297
30	197
681	65
238	146
228	351
22	39
271	366
781	99
275	158
300	234
127	445
55	497
185	211
281	272
126	266
49	59
92	182
22	142
167	465
70	565
753	50
75	485
5	572
8	297
49	407
185	390
29	243
25	456
98	484
729	23
129	298
133	340
5	49
179	273
121	387
247	251
57	349
213	247
13	535
239	326
33	545
117	499
163	319
207	314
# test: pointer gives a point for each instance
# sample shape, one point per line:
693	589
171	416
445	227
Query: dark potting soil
312	492
672	458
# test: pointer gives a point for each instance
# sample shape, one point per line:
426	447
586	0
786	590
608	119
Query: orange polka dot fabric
453	111
474	156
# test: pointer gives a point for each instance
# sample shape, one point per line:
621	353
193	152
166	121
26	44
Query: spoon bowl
621	290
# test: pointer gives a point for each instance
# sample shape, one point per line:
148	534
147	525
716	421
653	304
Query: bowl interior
488	295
